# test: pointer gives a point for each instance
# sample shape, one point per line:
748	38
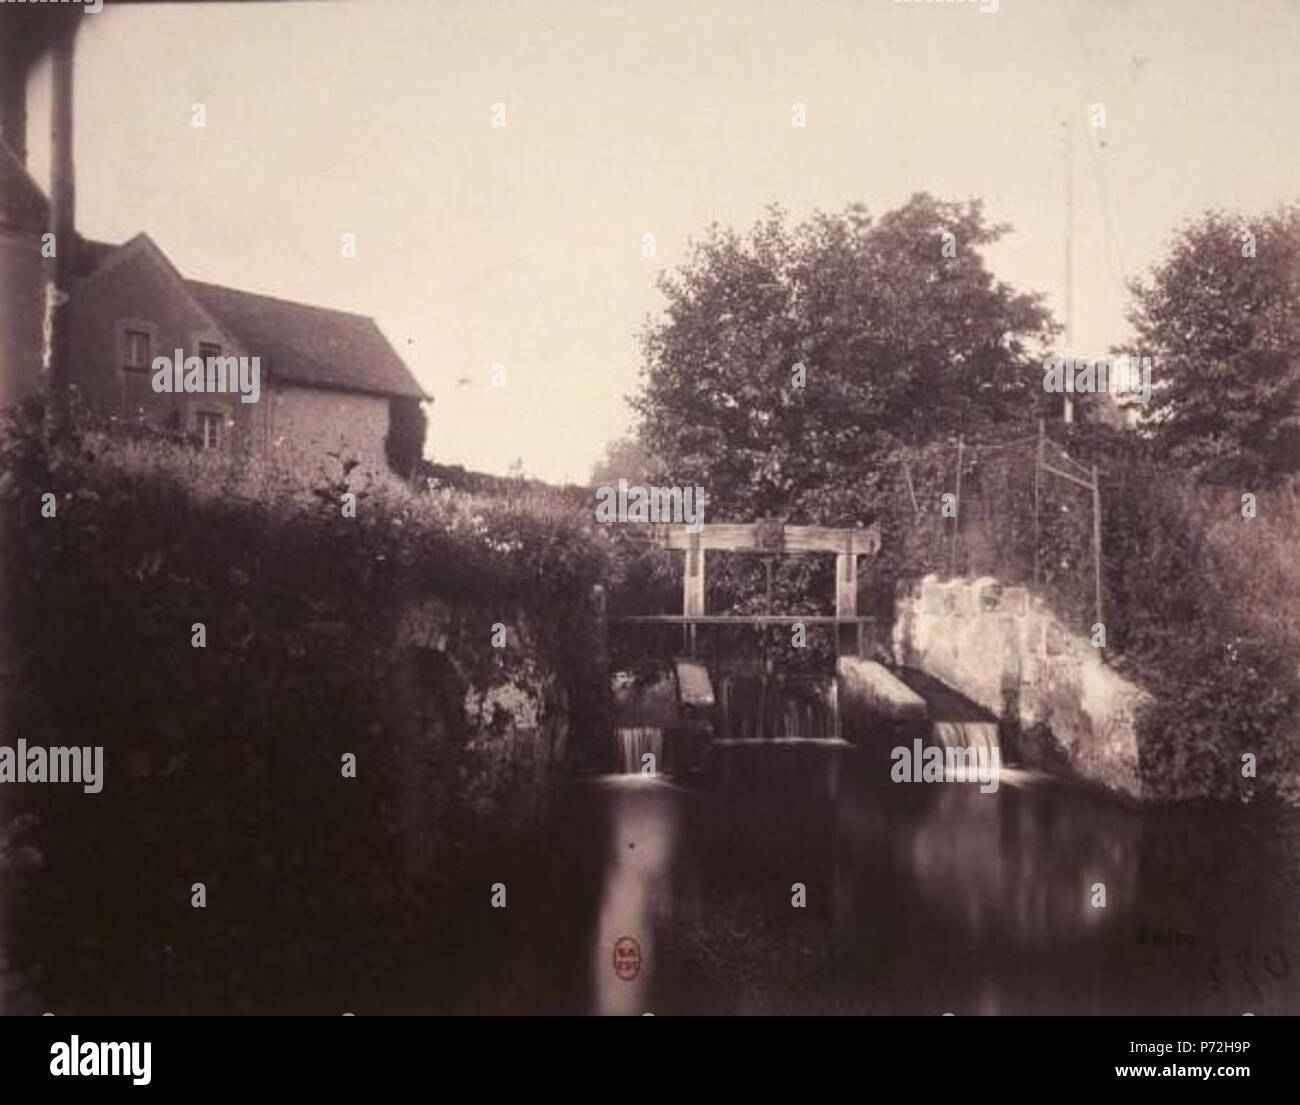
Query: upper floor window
137	350
210	429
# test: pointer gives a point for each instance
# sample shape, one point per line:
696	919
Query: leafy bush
1203	609
223	764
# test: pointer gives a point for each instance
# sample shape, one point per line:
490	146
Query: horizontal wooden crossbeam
739	537
746	619
1066	476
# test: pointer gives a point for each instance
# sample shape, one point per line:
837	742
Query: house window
210	429
209	349
137	350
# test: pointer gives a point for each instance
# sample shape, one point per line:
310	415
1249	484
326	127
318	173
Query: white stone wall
1006	651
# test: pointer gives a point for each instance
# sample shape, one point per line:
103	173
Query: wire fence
1023	511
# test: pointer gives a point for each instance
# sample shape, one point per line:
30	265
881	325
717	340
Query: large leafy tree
624	459
1220	318
899	343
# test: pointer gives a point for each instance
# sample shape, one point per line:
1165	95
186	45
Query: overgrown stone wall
1003	648
336	710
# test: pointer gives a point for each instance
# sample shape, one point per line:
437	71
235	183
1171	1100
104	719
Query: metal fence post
1038	466
956	522
1096	541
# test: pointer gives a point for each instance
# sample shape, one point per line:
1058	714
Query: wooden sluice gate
725	705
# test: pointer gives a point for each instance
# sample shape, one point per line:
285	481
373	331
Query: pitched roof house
328	380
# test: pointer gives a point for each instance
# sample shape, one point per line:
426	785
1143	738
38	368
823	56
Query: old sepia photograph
695	508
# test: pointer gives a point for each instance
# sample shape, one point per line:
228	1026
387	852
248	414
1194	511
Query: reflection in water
1019	868
641	837
927	898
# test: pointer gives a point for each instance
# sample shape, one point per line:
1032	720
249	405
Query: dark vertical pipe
62	223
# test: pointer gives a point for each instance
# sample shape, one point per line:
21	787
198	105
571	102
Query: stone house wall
136	291
313	421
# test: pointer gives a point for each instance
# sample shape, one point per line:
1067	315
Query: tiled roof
311	346
308	345
90	254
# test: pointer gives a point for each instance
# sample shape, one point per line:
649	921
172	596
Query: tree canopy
1220	317
789	360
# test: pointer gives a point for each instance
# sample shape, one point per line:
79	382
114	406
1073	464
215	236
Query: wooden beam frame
739	537
759	537
748	619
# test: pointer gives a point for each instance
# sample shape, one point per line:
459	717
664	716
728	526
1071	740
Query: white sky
522	245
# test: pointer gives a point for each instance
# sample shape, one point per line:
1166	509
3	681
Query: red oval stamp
627	958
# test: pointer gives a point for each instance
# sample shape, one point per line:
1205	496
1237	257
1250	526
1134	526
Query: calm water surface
921	898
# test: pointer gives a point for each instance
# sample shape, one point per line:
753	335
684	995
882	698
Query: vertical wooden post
693	587
956	522
600	624
598	711
846	593
907	475
1096	542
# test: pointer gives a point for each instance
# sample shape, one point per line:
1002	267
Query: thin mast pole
1069	260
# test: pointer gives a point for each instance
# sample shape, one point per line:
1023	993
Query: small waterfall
967	734
971	750
786	710
635	742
